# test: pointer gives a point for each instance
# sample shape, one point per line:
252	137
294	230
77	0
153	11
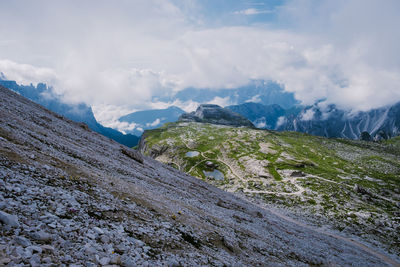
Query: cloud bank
123	53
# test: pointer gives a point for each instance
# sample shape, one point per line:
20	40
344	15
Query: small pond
216	174
192	154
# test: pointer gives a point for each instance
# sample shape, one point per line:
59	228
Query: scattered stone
35	249
210	164
115	259
133	154
120	248
8	219
35	260
41	236
4	261
20	240
297	174
104	261
105	239
173	263
46	260
98	231
358	189
127	261
52	225
47	248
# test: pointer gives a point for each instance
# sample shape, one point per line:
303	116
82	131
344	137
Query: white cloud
253	11
308	115
260	122
254	99
123	53
26	74
187	106
108	116
281	120
154	123
221	101
123	127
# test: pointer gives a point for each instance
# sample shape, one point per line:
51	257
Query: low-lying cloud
123	53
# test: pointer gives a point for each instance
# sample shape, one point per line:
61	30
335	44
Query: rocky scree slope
69	196
352	186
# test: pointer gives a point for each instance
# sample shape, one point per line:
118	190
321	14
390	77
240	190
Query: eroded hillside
350	185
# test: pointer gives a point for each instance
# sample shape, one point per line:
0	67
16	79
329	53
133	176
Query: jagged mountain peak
214	114
333	122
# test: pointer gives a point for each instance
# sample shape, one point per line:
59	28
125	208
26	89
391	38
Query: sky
117	55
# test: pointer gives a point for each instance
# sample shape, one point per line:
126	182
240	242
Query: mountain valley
71	196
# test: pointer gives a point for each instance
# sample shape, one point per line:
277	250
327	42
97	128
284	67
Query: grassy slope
331	169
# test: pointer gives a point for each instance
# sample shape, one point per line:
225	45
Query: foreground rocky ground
71	197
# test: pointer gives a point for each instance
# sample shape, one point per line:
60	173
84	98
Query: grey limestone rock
20	240
9	219
208	113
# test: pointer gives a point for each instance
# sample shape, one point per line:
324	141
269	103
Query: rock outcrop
214	114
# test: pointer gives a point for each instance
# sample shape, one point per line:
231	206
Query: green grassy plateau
353	186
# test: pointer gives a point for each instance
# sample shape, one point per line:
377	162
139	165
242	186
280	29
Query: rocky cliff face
262	116
379	123
69	196
214	114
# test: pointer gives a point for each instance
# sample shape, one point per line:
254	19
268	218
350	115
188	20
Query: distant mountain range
264	116
264	93
257	91
265	104
381	123
44	96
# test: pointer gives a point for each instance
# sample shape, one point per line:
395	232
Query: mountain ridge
334	122
43	95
